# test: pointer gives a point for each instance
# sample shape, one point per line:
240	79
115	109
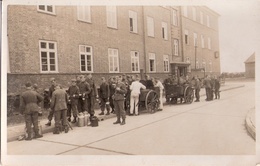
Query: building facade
65	41
250	67
200	39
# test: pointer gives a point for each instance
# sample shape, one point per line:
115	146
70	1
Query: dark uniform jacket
29	100
51	90
119	94
112	88
207	83
73	93
149	84
93	87
84	88
197	84
104	90
59	100
217	84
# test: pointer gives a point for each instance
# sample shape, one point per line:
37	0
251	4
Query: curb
250	125
101	118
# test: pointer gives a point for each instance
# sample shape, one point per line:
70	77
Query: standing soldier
93	95
120	91
112	89
51	90
212	82
207	85
59	102
84	90
197	88
104	96
29	107
73	93
217	87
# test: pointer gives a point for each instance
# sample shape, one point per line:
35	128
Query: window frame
208	21
86	54
45	10
166	63
150	29
175	20
133	60
47	50
195	39
186	32
152	57
185	11
176	47
202	41
111	16
201	17
133	15
79	9
164	30
114	56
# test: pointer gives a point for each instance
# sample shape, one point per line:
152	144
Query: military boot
29	137
37	135
123	122
66	129
102	113
74	120
56	130
117	122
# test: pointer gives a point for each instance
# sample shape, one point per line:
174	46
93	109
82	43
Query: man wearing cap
112	88
93	95
84	90
73	93
119	98
29	107
104	96
51	90
159	85
135	88
59	102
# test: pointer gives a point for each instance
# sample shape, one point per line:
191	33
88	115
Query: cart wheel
188	95
151	101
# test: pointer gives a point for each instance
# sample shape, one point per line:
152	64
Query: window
185	11
86	62
48	55
152	67
210	66
176	47
195	39
201	18
164	31
133	21
194	13
209	43
150	26
111	16
166	63
202	42
208	21
186	36
135	61
84	13
188	61
174	17
50	9
113	60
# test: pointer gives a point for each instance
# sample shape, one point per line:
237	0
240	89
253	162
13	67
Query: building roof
251	59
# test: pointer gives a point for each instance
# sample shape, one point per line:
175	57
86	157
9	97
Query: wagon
183	92
149	99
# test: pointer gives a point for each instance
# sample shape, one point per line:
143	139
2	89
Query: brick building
65	41
200	39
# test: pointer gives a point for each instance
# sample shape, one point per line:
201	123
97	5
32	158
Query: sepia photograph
130	83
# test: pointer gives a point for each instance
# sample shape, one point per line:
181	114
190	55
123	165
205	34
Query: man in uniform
51	90
104	96
93	95
217	87
197	88
120	91
59	102
207	85
112	88
29	107
84	90
73	93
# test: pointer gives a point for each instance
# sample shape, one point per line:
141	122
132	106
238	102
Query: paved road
205	128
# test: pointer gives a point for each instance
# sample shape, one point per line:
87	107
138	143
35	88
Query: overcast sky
239	27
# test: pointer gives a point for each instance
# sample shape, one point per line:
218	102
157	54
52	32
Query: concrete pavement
13	132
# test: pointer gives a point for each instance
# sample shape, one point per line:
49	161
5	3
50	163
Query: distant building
250	67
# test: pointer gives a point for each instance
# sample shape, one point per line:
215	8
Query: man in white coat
159	85
135	88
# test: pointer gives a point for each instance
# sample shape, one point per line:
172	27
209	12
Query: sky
239	32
